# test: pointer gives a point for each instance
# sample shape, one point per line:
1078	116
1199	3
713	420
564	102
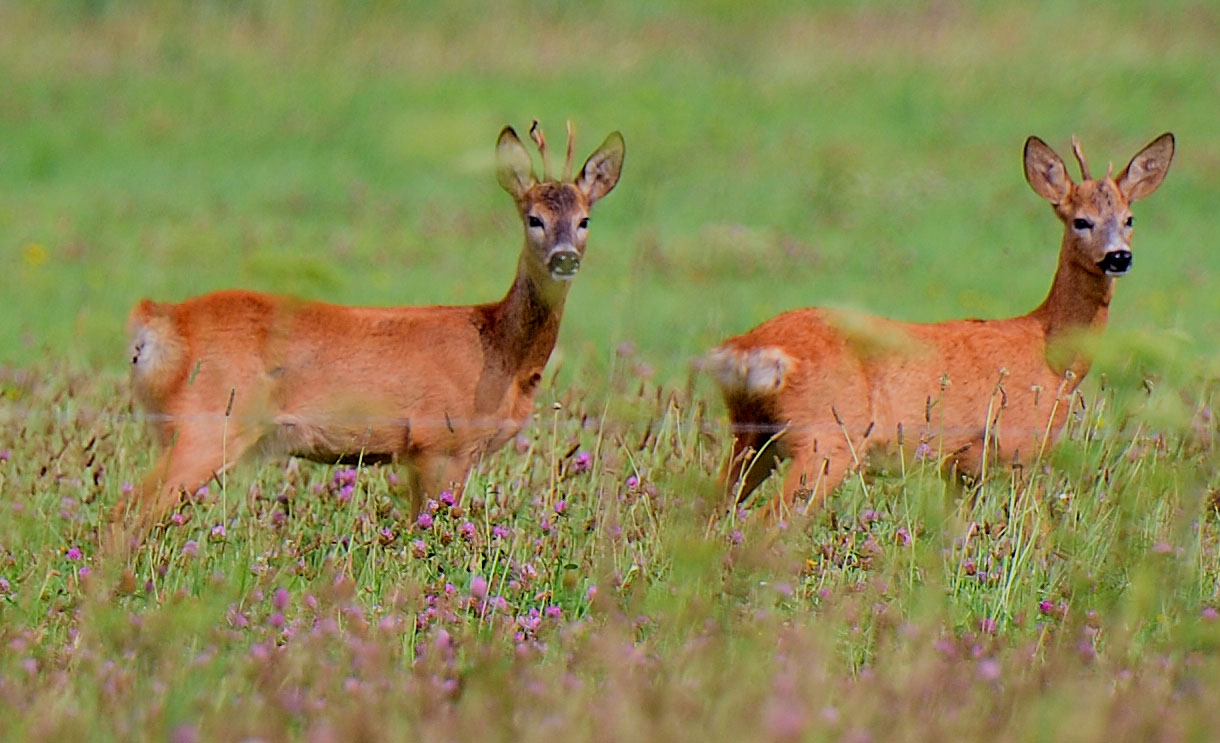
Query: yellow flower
35	254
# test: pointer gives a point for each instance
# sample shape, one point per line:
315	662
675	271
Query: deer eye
584	223
534	221
1082	224
1130	221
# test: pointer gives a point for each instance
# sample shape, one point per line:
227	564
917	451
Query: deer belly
324	441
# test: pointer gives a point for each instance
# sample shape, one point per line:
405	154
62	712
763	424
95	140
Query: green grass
859	155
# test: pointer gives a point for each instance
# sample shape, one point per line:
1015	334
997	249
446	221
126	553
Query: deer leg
752	460
967	460
434	473
199	452
812	476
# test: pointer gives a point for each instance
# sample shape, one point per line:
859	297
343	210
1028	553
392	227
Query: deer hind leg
198	451
753	458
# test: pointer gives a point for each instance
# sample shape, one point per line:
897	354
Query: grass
858	155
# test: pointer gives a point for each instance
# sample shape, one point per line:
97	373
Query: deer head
1096	213
555	213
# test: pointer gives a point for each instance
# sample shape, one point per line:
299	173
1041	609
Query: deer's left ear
601	171
1147	169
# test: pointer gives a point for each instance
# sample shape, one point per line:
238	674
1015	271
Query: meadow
591	585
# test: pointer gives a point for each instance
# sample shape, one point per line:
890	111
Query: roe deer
436	387
823	387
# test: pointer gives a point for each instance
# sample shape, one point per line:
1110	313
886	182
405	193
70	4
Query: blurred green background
782	155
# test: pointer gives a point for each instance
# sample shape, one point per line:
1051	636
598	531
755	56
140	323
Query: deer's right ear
602	169
1045	172
514	169
1147	169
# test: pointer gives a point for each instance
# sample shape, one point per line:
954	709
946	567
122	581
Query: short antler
1079	153
567	162
540	140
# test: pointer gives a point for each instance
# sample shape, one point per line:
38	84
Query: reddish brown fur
823	387
436	387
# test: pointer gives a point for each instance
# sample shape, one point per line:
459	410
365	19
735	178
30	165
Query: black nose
564	263
1116	262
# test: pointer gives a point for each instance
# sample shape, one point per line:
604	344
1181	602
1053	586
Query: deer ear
1045	172
602	169
514	169
1147	169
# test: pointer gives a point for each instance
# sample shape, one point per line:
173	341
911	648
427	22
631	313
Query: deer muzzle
563	263
1115	263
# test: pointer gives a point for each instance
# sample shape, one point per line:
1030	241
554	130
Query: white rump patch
153	346
146	350
756	371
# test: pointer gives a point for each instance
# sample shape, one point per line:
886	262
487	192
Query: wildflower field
593	583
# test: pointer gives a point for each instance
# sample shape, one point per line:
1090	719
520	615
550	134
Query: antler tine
1079	153
567	161
540	140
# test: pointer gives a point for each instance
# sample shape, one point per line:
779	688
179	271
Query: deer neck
525	324
1078	304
